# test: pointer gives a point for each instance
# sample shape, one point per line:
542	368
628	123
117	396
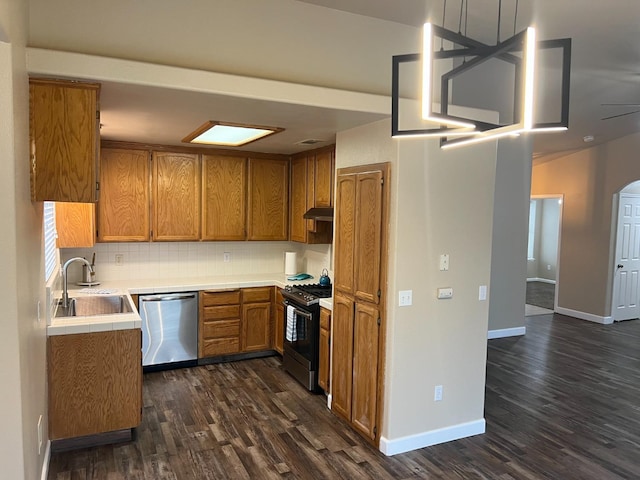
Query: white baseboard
45	463
585	316
506	332
433	437
543	280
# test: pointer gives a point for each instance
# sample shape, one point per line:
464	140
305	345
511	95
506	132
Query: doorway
545	218
626	269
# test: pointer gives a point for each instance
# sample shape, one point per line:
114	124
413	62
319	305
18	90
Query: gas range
307	294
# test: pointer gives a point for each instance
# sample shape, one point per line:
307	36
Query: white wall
22	335
544	264
549	233
510	227
439	201
275	39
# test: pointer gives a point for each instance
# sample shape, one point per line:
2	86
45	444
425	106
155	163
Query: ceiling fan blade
620	104
620	115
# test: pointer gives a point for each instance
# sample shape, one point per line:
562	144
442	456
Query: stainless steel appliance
169	330
302	331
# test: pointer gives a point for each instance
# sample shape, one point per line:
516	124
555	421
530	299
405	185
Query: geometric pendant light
461	56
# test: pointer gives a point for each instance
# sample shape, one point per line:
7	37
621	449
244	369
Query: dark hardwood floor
562	402
541	294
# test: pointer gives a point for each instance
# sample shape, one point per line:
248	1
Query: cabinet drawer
220	298
220	346
279	297
221	329
254	295
222	312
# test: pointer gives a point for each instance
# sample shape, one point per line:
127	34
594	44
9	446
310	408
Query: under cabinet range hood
320	214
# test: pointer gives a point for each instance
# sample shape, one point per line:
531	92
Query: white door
626	282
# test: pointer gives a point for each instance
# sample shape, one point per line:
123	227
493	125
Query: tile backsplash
122	261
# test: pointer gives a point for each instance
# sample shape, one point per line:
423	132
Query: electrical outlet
445	293
40	435
444	262
437	393
548	267
119	259
226	257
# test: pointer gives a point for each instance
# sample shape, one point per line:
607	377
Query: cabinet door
64	121
268	199
278	334
75	224
345	233
368	237
278	330
123	209
325	349
298	225
95	382
176	196
342	355
256	326
224	194
323	178
365	369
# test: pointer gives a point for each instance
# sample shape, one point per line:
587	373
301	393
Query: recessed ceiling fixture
229	134
458	56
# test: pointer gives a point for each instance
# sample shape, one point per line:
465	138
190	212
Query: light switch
405	298
444	262
482	292
445	293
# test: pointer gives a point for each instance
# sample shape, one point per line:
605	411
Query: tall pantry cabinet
359	296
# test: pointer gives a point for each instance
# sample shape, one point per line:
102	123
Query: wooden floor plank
561	403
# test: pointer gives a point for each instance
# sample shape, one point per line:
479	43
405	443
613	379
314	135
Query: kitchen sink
93	305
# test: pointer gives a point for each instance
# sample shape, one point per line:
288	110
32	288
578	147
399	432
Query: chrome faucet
65	289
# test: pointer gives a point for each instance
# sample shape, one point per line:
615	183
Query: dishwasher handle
165	298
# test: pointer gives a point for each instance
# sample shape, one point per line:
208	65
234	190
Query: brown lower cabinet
325	349
234	321
256	319
95	382
278	331
219	323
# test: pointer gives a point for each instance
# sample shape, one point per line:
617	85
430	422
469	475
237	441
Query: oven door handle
297	311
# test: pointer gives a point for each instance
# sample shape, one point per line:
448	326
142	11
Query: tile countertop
98	323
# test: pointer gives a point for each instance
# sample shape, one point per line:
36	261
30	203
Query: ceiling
605	69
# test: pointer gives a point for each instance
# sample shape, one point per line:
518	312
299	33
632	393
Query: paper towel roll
290	263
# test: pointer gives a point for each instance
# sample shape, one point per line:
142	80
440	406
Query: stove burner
309	293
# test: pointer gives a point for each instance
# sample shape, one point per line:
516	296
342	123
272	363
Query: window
50	236
532	229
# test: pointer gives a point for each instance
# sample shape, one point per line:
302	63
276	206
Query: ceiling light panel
229	134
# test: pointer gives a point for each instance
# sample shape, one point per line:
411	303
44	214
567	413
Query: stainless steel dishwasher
169	330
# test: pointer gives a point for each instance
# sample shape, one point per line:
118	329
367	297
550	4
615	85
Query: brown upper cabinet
75	224
123	209
161	195
224	197
268	199
64	125
312	175
176	196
